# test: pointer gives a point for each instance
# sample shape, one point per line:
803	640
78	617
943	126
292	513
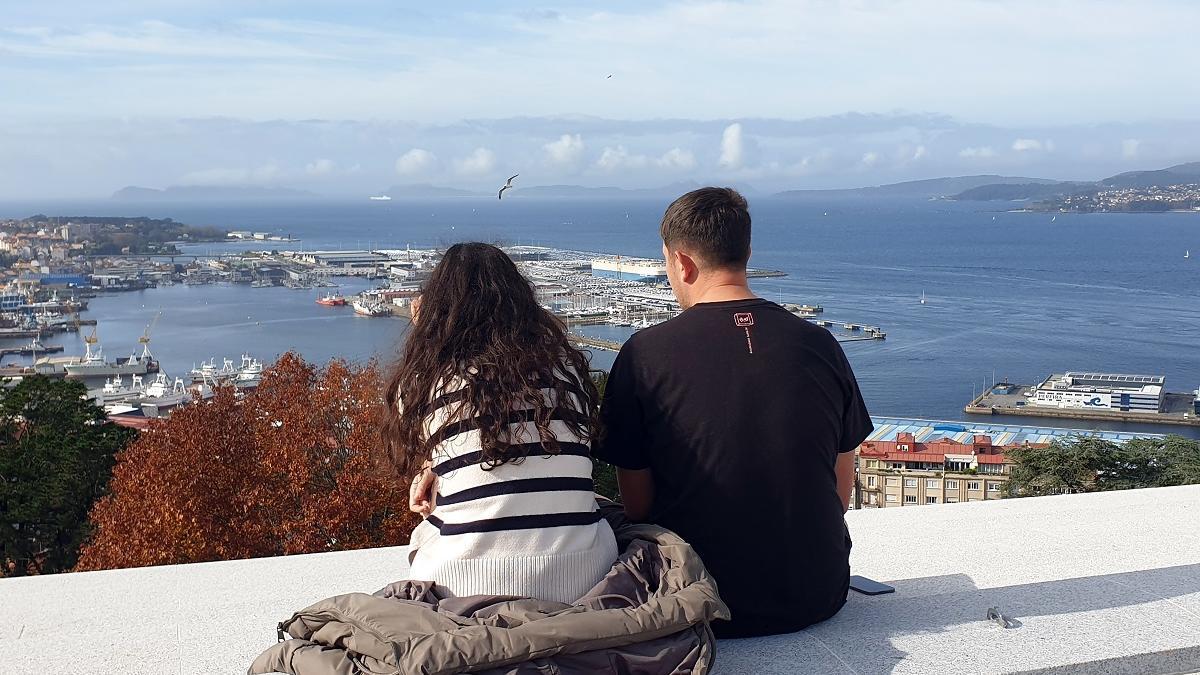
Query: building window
870	481
896	465
910	482
973	485
931	500
931	484
872	463
892	482
993	487
951	485
951	500
910	499
890	498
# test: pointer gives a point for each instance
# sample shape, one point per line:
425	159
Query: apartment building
913	462
905	472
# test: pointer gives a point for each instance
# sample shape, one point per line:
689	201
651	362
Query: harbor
1111	397
602	298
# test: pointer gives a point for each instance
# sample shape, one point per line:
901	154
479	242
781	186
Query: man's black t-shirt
740	410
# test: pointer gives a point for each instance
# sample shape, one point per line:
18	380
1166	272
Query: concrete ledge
1106	583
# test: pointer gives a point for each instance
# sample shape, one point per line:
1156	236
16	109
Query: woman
492	411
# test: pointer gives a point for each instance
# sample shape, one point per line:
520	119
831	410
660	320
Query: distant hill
672	190
1175	175
419	190
930	187
206	192
1019	191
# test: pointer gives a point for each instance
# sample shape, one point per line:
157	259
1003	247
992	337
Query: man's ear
689	271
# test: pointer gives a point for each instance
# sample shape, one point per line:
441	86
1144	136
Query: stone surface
1106	583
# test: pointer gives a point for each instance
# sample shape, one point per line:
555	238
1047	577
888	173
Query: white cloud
983	151
267	173
1129	147
612	159
1026	144
481	161
566	151
870	158
415	161
615	158
732	146
320	167
677	158
919	152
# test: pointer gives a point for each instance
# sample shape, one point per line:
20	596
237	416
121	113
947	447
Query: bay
1012	294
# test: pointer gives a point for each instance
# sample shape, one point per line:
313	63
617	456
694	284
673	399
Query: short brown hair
713	222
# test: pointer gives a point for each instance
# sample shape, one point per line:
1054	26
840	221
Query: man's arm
845	477
637	492
623	442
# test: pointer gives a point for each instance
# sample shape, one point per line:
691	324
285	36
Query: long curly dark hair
479	322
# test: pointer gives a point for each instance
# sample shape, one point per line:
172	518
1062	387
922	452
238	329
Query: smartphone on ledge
868	586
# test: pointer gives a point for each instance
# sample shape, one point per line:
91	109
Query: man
734	424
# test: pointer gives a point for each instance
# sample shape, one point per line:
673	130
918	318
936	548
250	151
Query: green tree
604	475
1087	464
56	457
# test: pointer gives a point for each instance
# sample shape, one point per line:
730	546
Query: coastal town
1153	199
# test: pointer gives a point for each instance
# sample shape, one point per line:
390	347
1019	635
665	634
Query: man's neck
725	288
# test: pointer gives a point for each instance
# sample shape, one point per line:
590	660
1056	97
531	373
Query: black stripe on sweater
523	486
460	394
515	451
514	417
532	522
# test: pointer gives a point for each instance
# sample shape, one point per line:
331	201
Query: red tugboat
331	300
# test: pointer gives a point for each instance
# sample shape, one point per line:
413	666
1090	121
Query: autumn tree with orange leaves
285	469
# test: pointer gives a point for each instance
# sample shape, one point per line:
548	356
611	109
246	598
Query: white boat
250	374
922	297
380	198
1187	254
116	392
93	364
209	373
370	307
161	397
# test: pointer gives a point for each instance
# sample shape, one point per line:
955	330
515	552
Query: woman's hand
422	494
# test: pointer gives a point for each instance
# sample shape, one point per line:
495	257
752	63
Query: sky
350	97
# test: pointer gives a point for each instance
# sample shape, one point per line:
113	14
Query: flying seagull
609	77
507	185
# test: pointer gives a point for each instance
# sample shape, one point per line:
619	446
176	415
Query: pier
29	350
595	343
1177	408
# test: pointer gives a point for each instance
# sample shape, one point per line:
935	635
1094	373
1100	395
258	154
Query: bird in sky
609	77
507	185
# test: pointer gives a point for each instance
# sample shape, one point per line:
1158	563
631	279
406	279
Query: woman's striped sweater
529	528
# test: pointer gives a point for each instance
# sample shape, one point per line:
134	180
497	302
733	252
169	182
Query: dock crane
145	338
88	341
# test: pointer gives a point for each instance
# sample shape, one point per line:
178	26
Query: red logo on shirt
743	319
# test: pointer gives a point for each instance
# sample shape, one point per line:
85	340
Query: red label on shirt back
742	319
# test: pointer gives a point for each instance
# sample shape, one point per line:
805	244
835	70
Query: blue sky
352	96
